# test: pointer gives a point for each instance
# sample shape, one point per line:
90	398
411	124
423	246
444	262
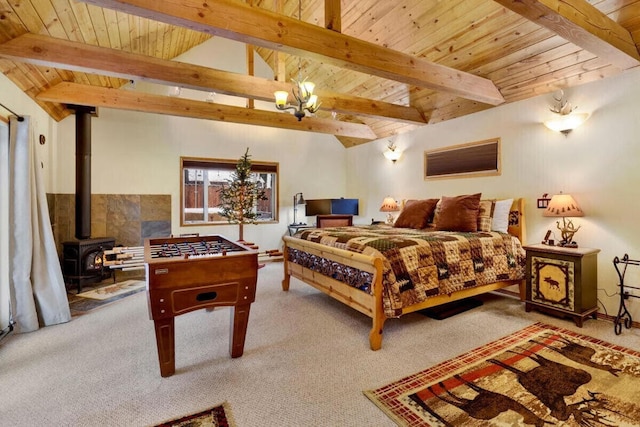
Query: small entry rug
83	303
110	291
218	416
541	375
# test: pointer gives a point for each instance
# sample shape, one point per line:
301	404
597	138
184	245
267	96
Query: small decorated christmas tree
240	195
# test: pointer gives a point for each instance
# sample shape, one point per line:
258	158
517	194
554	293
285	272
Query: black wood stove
83	259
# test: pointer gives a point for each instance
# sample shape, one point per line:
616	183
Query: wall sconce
389	205
392	153
130	86
565	119
175	91
563	205
298	199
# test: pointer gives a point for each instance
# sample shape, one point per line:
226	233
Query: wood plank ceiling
384	67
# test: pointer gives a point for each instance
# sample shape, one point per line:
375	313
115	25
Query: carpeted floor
306	360
540	375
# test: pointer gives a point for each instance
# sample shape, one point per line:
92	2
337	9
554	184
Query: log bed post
378	317
369	304
287	276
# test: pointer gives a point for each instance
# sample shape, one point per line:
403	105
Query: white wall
596	163
139	153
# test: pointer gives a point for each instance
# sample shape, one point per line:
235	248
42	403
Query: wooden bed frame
372	304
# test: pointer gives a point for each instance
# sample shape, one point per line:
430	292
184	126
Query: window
202	180
480	158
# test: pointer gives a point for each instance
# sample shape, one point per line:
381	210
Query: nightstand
562	281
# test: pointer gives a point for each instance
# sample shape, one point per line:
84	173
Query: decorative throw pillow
459	213
416	214
500	220
485	215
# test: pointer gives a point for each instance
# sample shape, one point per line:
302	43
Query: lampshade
389	205
565	123
392	153
563	205
300	200
307	89
313	100
281	97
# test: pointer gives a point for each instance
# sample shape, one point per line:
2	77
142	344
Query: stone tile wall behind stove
129	218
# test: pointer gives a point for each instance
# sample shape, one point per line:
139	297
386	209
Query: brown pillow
459	213
416	214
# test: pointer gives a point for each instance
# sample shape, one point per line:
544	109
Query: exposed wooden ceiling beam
51	52
237	21
580	23
333	15
74	93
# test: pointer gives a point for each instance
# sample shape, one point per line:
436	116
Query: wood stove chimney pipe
83	170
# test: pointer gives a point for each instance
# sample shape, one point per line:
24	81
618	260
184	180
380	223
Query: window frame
257	166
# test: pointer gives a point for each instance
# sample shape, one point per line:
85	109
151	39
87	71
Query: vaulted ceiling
381	67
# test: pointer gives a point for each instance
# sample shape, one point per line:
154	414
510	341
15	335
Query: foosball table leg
239	322
166	345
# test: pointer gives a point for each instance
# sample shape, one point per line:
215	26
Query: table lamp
389	205
563	205
298	199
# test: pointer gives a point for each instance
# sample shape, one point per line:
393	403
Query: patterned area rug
218	416
102	295
541	376
120	288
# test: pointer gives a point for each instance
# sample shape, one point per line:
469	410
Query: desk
189	273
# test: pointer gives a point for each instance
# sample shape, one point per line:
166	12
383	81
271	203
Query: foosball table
189	273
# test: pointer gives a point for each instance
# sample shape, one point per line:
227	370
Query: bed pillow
500	221
485	215
459	213
416	214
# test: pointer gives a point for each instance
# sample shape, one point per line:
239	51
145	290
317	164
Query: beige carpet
305	363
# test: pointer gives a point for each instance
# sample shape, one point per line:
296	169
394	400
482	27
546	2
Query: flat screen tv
344	206
331	206
318	207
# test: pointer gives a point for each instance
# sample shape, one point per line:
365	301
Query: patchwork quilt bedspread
419	264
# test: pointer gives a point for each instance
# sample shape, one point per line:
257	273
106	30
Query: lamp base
390	219
567	231
568	244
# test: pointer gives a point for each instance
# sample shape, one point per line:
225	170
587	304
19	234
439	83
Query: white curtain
4	228
38	293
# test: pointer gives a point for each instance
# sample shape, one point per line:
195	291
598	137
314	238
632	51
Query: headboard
516	219
334	220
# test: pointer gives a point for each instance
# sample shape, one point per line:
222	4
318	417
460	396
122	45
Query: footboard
369	304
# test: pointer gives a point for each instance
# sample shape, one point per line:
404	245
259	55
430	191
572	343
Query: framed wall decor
480	158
